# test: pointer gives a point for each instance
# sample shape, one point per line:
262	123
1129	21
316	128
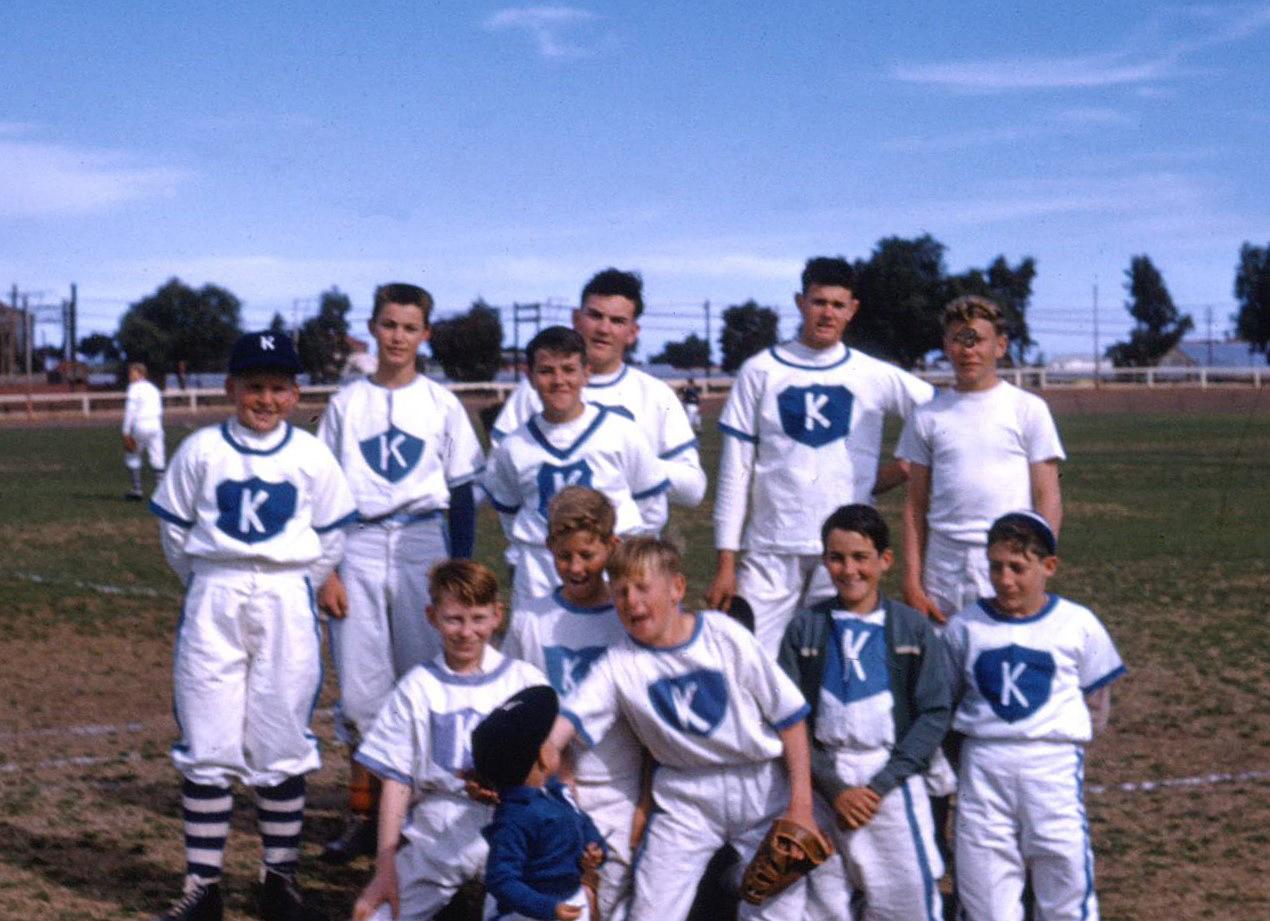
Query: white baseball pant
778	585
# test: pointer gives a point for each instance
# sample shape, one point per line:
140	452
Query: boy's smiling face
974	349
262	399
580	558
1019	578
559	380
648	606
465	631
399	330
856	567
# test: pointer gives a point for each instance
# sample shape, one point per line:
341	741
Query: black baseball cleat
360	836
199	902
133	496
280	900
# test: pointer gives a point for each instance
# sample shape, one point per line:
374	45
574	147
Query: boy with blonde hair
563	633
420	746
142	429
724	724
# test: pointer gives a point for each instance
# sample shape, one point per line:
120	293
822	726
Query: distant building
12	340
1212	353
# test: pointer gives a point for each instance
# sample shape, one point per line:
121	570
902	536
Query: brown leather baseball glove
788	852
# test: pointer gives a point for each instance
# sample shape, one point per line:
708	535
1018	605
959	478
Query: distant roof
1228	353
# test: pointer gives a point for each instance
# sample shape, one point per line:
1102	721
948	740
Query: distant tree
691	352
1157	325
178	323
323	342
278	325
901	290
99	347
469	347
747	329
1252	290
1011	289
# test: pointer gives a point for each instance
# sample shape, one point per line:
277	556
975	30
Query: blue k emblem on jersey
392	454
1015	680
692	703
253	510
855	662
452	739
552	479
567	667
815	415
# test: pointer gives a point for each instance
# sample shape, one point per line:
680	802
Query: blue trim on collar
696	632
161	512
737	433
667	455
551	449
793	364
351	518
652	490
620	374
1114	675
467	680
243	449
557	595
986	605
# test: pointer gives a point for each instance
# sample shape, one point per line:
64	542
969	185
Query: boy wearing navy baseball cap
251	517
541	844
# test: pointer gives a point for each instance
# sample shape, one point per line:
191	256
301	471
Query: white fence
107	402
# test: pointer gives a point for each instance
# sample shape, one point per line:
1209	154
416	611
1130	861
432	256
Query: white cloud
40	179
1062	122
547	25
1205	28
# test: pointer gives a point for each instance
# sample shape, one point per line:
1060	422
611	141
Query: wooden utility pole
1097	352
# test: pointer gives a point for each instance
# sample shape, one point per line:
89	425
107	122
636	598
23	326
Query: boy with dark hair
569	443
607	318
251	516
1032	675
874	675
411	456
421	747
802	432
540	842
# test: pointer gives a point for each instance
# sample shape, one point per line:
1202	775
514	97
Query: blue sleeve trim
498	506
794	718
649	493
161	512
350	518
1114	675
667	455
380	769
737	433
496	435
577	725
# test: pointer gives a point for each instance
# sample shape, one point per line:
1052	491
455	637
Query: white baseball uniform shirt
713	701
403	449
1025	679
978	447
804	436
142	408
649	403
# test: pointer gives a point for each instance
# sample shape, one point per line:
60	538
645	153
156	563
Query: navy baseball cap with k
264	351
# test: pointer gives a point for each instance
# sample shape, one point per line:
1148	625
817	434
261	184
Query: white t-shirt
423	735
600	449
715	700
564	640
142	408
242	495
856	704
642	398
1026	679
979	447
804	436
403	449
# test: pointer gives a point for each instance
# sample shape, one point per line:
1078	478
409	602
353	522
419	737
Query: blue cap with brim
264	351
1034	522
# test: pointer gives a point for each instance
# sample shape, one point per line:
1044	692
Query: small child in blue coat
540	843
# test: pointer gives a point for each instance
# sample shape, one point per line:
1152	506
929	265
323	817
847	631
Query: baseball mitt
787	852
130	444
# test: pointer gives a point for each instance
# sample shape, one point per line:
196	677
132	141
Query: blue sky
508	151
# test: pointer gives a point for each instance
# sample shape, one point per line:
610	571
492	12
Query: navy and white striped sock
206	811
280	812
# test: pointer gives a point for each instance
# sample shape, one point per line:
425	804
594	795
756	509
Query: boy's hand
918	600
566	912
719	595
856	806
639	821
381	888
477	791
333	598
592	857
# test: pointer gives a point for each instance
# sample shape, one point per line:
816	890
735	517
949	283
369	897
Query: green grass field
1166	537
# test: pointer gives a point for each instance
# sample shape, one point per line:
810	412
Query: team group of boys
675	733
